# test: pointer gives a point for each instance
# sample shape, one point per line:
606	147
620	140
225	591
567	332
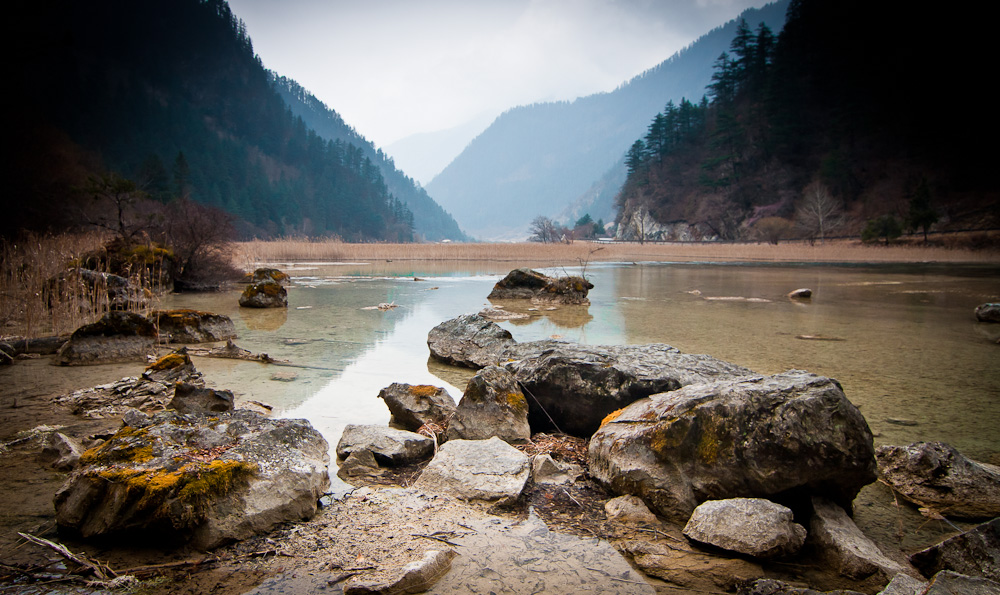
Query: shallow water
903	340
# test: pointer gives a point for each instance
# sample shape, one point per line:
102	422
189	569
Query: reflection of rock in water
563	315
453	375
525	557
264	319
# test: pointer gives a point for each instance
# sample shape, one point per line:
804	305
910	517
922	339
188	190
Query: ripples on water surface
907	348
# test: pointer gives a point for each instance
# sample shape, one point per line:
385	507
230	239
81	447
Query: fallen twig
435	537
101	571
658	532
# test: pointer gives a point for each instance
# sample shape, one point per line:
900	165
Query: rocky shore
561	468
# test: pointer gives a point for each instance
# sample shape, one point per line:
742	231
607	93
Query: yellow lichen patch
424	390
169	362
215	478
119	449
515	401
611	416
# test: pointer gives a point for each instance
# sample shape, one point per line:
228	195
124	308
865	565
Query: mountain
537	159
841	124
425	154
430	221
170	94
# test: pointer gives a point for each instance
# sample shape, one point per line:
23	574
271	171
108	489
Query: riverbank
835	251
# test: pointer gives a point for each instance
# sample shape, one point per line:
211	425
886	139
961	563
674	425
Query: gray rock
470	341
750	437
975	553
490	470
844	547
415	405
953	583
904	584
770	586
526	284
576	386
493	405
389	445
936	475
629	509
60	452
415	577
116	337
206	480
264	294
193	326
751	526
988	313
360	463
546	470
190	398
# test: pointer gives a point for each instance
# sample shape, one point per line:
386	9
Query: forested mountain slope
842	124
537	159
170	94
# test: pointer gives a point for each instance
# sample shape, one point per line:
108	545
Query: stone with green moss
265	294
116	337
193	326
521	284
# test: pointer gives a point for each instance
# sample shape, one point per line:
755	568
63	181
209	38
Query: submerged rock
490	470
116	337
413	405
988	313
264	294
389	445
975	553
206	480
751	526
749	437
193	326
801	294
493	405
415	577
844	547
470	341
526	284
937	475
576	386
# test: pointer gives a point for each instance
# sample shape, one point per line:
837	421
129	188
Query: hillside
430	221
832	128
170	94
537	159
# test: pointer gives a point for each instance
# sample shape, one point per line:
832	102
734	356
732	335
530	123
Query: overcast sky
393	68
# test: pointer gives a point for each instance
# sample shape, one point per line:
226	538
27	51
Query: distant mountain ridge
538	159
430	221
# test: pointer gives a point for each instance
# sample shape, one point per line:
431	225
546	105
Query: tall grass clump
46	289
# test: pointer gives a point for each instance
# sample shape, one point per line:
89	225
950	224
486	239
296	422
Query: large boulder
749	437
267	274
490	470
526	284
470	341
938	476
493	405
988	313
844	547
413	405
390	446
205	480
752	526
264	294
975	553
116	337
574	387
193	326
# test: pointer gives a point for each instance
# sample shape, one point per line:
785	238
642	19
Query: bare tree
819	213
545	230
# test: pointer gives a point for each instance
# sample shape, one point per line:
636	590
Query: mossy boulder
116	337
526	284
790	435
193	326
413	405
207	480
493	405
264	294
267	274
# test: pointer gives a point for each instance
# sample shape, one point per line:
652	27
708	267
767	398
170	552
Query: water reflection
264	319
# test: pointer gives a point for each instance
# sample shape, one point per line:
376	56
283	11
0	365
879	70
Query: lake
902	340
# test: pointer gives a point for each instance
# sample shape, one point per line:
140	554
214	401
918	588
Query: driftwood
99	570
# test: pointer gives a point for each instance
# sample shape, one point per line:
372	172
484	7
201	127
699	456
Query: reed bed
846	251
42	291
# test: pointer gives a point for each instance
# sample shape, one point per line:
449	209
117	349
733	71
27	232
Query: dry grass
32	304
294	250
